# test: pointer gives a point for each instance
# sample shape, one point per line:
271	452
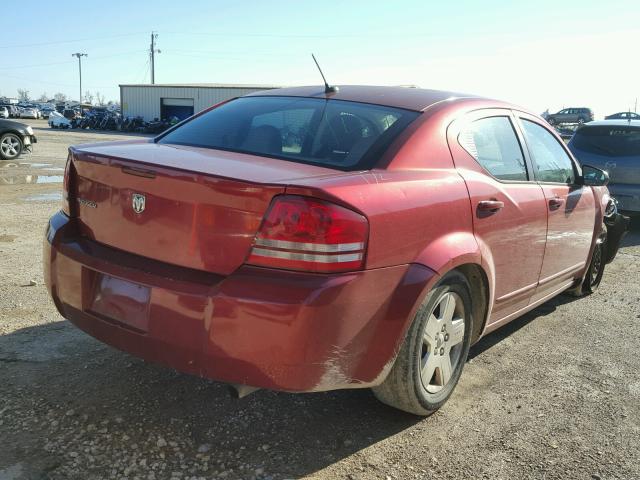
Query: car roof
616	122
408	98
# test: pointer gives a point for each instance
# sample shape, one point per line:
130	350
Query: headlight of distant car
612	208
30	130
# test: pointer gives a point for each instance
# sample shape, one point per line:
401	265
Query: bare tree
23	95
43	98
60	97
99	98
88	96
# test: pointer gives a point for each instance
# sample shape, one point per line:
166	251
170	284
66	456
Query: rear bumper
260	327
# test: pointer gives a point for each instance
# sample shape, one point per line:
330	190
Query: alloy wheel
10	146
442	342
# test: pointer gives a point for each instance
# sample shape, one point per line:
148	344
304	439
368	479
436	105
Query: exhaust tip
241	391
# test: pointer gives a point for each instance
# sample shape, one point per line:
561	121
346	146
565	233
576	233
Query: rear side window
493	143
612	141
332	133
551	162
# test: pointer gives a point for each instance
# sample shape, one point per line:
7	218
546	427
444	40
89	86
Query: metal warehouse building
166	100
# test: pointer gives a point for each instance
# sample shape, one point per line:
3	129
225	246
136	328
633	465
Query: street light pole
80	55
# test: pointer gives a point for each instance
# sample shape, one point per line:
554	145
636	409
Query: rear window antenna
327	88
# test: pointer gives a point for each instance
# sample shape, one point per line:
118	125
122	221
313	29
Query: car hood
13	124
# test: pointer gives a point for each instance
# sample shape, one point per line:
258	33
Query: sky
539	54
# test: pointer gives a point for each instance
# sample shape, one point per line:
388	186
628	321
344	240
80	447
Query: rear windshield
332	133
613	141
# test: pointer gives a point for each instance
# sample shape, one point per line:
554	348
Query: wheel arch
15	132
464	252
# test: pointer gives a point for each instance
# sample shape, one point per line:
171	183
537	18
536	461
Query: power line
72	61
303	35
24	45
44	82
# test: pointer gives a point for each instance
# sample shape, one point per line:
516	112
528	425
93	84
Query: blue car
614	146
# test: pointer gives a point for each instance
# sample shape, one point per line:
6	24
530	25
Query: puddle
8	164
49	178
35	165
22	179
44	197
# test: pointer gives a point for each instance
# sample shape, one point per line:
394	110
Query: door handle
490	206
556	203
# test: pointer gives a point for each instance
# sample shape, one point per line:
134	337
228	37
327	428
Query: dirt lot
554	395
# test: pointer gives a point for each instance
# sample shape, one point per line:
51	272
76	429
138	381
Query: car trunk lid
197	208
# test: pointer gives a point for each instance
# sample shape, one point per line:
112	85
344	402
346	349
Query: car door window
493	143
551	162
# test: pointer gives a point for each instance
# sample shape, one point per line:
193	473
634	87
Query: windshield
333	133
613	141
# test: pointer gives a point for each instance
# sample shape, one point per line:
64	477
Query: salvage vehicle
4	113
12	109
318	238
623	116
57	120
28	112
15	137
46	111
614	146
570	115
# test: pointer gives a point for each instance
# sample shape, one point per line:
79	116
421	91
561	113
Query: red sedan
304	240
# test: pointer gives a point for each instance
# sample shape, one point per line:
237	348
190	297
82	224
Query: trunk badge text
138	202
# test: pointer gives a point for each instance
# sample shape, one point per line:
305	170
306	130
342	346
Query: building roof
400	97
199	85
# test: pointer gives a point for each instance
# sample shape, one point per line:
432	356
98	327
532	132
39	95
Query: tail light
301	233
66	187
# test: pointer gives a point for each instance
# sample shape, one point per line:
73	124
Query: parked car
13	110
46	111
28	112
623	116
4	113
70	113
570	115
57	120
614	146
306	241
15	137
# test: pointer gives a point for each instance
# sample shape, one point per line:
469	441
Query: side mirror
594	177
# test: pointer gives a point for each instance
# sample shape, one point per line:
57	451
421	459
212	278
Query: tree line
88	97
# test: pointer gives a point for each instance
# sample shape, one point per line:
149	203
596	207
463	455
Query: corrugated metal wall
145	101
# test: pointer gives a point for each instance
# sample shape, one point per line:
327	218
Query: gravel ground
553	395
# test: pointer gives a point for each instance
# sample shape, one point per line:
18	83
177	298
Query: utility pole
152	56
80	55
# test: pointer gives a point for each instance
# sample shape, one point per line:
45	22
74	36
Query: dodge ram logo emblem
138	202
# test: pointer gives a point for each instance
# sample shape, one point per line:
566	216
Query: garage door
176	107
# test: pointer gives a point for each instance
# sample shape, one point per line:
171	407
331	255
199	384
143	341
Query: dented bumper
617	226
265	328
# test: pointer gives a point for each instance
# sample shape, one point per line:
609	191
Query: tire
581	120
440	335
552	121
10	146
595	271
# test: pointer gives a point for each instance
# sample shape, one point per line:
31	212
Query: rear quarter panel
415	216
